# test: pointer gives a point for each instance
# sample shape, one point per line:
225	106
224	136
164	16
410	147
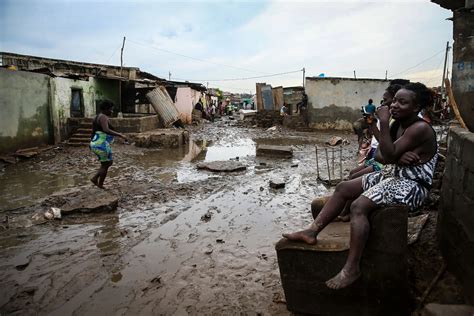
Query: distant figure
301	106
284	110
363	123
102	137
198	106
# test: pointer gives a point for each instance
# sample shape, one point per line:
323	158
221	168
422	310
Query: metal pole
333	172
340	162
386	74
120	81
327	164
303	76
444	68
355	75
317	162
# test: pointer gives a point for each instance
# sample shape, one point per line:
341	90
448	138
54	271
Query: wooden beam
453	104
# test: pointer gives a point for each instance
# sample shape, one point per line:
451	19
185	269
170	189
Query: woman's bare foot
343	218
95	180
342	279
96	183
308	236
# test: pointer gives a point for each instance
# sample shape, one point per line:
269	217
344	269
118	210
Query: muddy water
182	241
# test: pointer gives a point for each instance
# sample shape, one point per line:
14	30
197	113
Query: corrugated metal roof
163	105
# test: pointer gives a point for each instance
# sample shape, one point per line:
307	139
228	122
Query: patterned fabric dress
396	184
100	141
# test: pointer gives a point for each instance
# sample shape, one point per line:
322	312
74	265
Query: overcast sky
209	40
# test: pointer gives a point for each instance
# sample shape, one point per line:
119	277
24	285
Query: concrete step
84	137
83	130
78	144
79	140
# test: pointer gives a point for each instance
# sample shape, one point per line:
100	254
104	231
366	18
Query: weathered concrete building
456	216
334	103
63	92
463	56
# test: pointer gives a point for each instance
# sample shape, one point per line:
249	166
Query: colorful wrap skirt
100	145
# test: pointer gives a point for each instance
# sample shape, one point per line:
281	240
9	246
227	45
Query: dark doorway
77	103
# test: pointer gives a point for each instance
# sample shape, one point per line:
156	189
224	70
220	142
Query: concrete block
381	290
468	184
456	138
454	174
434	309
274	151
468	152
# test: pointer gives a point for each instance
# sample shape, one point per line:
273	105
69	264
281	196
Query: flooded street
182	240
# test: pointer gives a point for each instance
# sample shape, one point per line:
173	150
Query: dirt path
182	241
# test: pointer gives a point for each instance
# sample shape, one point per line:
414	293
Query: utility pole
169	75
386	73
304	70
120	81
444	68
355	75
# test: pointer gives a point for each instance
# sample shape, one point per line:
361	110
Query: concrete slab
222	166
381	290
84	200
274	151
434	309
162	138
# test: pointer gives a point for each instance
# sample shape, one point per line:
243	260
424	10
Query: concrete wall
92	91
456	213
184	102
334	103
463	64
24	110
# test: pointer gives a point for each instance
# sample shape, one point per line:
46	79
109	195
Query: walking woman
102	137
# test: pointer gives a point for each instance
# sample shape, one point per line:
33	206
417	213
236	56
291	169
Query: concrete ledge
274	151
382	288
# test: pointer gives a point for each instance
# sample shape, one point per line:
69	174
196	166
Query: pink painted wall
184	104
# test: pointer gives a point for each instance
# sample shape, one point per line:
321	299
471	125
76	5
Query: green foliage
220	97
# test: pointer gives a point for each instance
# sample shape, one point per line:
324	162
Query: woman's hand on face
409	158
383	113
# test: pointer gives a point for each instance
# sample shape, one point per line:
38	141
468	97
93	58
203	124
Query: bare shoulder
421	129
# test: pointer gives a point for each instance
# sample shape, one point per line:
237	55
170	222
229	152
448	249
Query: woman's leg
360	228
361	172
344	192
104	167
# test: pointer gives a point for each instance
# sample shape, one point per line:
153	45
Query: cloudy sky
207	41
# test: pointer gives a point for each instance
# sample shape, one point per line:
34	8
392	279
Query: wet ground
182	240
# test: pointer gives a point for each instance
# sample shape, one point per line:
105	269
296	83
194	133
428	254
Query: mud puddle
182	241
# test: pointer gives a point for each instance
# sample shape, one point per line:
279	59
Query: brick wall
456	213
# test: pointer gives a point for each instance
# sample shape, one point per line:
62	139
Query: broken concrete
222	166
274	151
162	138
277	183
83	200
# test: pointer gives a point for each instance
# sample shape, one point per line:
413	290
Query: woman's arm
415	135
104	123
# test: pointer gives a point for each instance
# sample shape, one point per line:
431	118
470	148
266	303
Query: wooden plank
453	104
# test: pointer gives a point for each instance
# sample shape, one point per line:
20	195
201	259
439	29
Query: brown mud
181	241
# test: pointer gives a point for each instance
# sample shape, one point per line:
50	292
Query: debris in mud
274	151
52	213
336	140
277	183
8	159
206	217
220	241
278	298
222	166
294	165
415	225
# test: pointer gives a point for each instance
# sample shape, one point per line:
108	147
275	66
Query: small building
334	103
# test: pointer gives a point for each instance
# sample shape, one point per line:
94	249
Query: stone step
83	130
77	144
79	140
81	137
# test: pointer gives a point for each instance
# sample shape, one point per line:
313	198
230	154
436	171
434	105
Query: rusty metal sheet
163	105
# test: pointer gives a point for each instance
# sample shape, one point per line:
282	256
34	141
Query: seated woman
408	149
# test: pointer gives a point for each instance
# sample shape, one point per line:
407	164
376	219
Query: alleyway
182	239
